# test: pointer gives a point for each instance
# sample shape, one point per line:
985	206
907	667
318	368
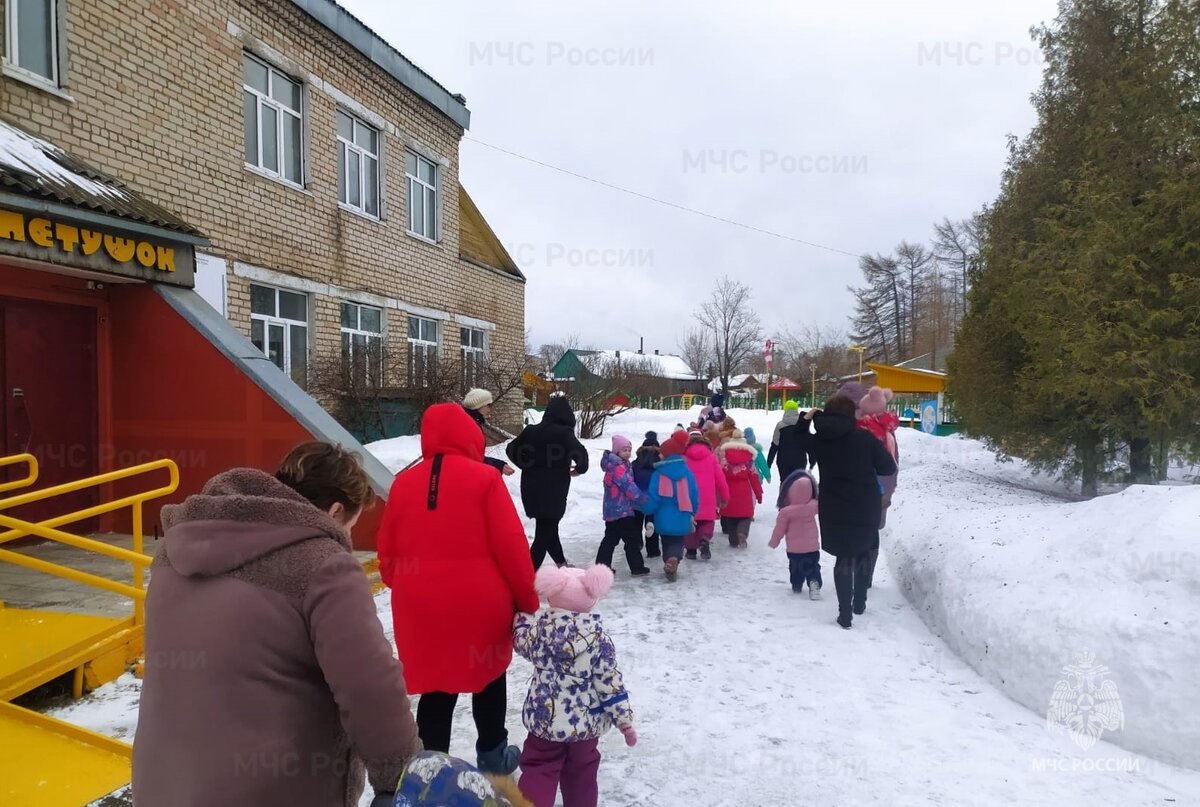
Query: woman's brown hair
841	405
326	474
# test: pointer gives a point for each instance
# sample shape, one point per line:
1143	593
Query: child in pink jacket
714	494
797	521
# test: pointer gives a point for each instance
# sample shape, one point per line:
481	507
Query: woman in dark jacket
850	460
288	684
548	455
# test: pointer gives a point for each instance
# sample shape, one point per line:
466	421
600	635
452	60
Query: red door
48	370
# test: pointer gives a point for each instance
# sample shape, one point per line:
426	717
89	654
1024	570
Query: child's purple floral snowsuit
577	691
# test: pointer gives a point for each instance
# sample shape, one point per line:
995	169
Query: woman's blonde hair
326	474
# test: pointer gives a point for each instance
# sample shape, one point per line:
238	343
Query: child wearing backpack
671	501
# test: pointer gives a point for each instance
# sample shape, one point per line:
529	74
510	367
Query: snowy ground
746	694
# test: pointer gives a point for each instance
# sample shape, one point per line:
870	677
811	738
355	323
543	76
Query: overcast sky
851	127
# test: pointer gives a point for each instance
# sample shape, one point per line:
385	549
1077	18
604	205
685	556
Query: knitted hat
651	439
738	434
748	433
696	436
673	446
573	589
477	399
790	406
620	443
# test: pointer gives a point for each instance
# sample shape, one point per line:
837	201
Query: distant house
632	372
749	387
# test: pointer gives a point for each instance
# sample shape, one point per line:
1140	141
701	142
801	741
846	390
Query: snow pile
1021	584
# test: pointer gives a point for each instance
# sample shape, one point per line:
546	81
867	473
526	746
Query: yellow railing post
12	528
139	571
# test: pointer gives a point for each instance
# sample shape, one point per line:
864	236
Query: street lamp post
813	368
859	349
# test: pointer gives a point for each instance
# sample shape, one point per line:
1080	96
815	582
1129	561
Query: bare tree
733	325
596	393
361	386
696	351
550	353
956	245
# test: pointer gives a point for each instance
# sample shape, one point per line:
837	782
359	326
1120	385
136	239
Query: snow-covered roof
755	379
35	167
665	365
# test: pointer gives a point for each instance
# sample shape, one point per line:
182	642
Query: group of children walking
673	494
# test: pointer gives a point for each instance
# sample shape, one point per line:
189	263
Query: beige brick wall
156	100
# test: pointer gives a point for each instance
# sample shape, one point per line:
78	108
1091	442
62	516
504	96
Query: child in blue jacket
671	501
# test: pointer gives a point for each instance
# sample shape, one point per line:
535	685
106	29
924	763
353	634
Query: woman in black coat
850	461
548	455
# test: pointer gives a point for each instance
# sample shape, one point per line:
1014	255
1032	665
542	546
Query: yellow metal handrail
30	460
18	528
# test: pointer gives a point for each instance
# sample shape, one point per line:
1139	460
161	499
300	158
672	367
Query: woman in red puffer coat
453	551
745	488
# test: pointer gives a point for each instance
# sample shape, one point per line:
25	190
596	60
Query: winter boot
671	569
502	760
705	551
860	608
844	620
798	589
814	591
743	541
690	554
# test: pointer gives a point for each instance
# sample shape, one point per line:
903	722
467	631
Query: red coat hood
448	429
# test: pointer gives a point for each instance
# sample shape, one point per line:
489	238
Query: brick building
278	156
321	165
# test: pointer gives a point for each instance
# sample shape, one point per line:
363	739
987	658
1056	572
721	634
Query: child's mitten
648	530
630	736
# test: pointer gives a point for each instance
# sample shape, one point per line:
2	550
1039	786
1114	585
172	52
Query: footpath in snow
748	694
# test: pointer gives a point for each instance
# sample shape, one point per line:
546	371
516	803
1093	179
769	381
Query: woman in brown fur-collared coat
268	677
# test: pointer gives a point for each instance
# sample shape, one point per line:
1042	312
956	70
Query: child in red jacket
745	488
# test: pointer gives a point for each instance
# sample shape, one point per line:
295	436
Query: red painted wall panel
175	395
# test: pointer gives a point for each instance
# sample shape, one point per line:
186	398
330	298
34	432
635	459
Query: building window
362	343
423	350
32	40
274	105
422	197
473	356
358	164
279	328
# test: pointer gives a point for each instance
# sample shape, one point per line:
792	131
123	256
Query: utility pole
859	349
813	367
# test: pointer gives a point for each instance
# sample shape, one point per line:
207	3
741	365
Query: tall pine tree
1083	333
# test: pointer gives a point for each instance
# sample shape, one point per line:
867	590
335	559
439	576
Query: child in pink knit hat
576	692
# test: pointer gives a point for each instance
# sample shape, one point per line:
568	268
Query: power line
663	202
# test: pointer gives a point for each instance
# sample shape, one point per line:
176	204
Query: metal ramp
45	761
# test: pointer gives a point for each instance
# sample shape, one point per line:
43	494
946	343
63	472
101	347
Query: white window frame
420	346
280	111
470	377
12	47
429	197
348	146
373	369
288	324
